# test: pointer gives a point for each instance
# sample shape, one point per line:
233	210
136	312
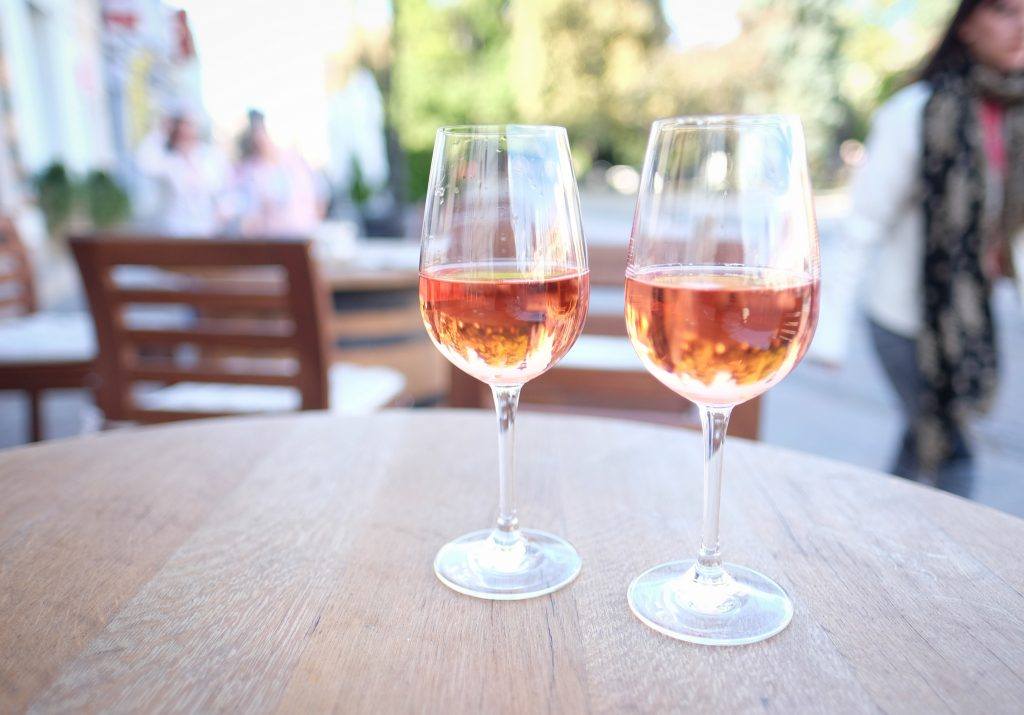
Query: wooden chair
383	327
17	286
601	374
193	328
39	350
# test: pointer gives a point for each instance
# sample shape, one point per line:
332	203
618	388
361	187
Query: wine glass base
733	606
480	565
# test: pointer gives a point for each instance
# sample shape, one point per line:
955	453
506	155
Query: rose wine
720	335
503	326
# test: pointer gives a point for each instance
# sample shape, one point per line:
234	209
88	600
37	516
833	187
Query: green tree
802	43
106	203
451	66
605	69
56	195
586	65
885	40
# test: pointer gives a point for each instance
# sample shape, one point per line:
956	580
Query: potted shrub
106	203
55	194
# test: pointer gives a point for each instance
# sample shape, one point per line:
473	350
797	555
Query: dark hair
247	141
950	54
174	128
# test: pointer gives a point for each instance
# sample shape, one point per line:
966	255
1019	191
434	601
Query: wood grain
284	564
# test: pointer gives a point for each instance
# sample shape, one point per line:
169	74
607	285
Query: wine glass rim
713	121
499	129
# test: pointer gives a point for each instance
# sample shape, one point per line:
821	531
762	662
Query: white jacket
885	230
884	233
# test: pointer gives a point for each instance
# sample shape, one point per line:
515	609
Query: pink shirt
992	115
281	196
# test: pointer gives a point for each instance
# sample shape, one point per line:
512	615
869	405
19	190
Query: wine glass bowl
504	289
722	285
502	326
719	335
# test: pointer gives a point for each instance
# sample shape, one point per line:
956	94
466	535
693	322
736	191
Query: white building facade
52	53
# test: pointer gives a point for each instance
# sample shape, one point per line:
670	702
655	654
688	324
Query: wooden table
375	265
376	318
260	564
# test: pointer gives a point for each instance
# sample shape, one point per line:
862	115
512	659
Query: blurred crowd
190	187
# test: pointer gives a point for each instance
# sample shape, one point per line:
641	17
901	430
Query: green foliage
802	62
359	191
55	193
417	163
588	65
106	202
60	195
885	41
451	67
605	69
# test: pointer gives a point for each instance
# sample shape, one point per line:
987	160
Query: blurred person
939	200
277	188
189	176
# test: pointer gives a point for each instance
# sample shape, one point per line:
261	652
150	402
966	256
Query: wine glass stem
714	423
506	402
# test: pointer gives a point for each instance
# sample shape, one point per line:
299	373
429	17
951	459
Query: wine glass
504	288
721	303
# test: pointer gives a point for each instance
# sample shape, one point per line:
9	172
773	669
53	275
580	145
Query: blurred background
95	95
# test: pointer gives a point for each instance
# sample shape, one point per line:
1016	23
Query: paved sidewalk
850	414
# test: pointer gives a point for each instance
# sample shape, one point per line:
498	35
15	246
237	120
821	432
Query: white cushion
602	352
605	300
354	390
65	337
47	337
359	389
145	277
387	255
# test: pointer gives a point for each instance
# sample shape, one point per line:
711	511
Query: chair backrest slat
231	311
211	298
169	371
17	287
210	337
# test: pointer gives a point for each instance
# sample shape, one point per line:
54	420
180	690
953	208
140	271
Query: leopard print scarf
956	349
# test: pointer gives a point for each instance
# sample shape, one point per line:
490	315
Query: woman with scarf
940	200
